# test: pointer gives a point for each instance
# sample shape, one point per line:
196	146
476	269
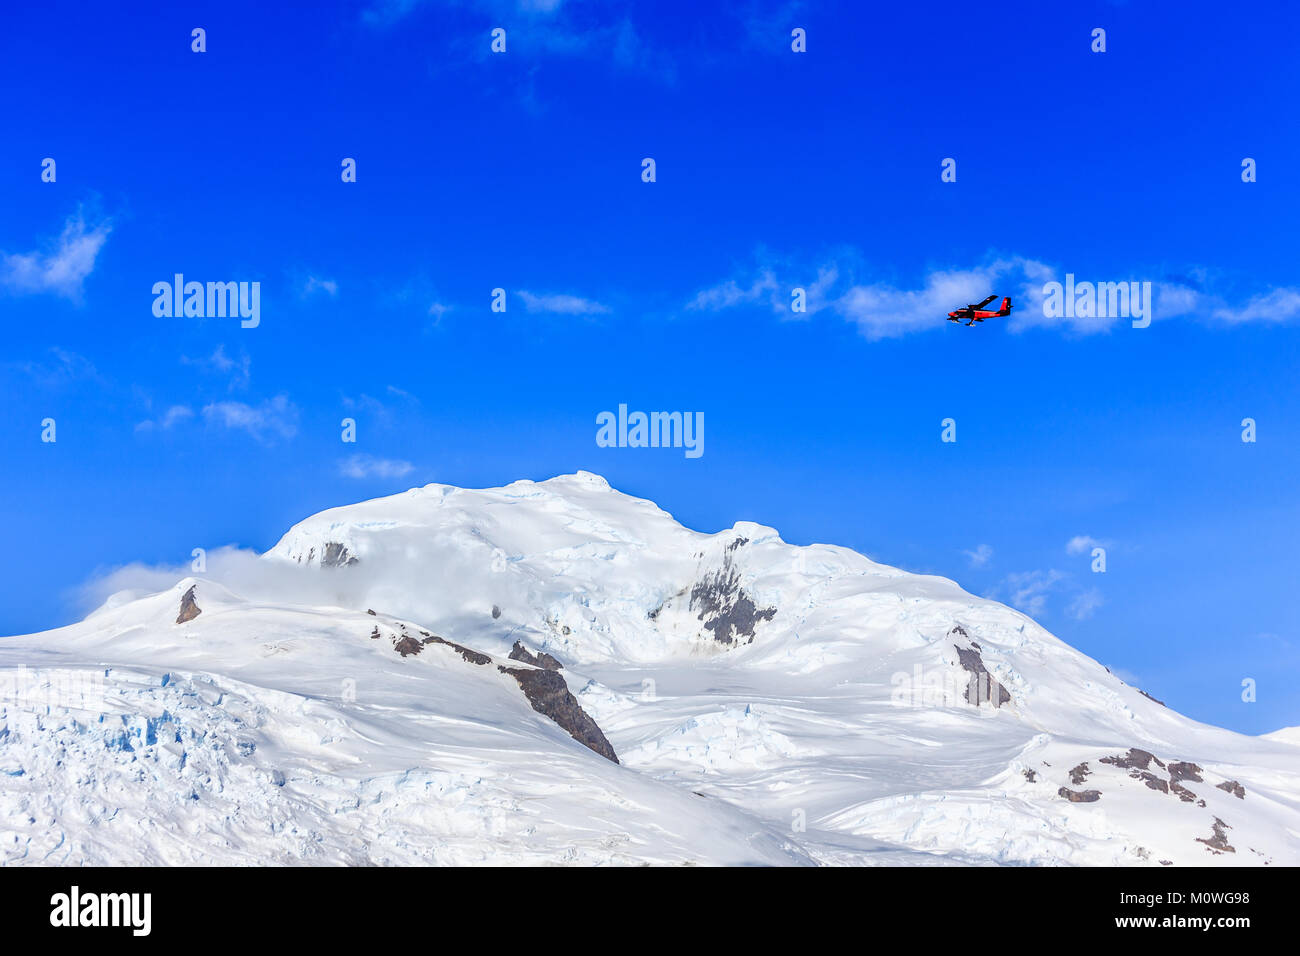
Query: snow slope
377	692
1287	735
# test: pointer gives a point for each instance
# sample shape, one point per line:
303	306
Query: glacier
556	672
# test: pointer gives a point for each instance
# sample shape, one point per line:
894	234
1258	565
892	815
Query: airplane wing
986	302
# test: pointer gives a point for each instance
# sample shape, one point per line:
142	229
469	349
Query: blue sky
774	170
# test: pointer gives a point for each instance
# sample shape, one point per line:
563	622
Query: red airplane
975	314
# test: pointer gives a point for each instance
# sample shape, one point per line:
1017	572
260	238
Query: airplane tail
1006	306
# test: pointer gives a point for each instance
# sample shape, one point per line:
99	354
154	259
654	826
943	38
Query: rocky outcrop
543	686
728	612
189	609
336	556
1179	772
1135	759
1080	796
549	695
540	659
1234	788
981	686
1218	843
408	646
474	657
1138	762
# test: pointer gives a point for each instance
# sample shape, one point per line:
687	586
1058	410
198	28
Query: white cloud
1084	604
1028	590
366	466
562	304
277	417
1279	305
239	369
65	368
171	418
762	288
883	309
61	269
315	284
1081	543
980	556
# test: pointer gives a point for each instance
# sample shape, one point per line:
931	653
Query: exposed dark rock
1135	759
407	646
474	657
1151	780
1080	796
374	635
370	612
1181	792
1031	776
336	556
189	610
496	612
540	659
1234	788
1218	843
1185	771
731	612
1149	697
1137	763
1079	774
981	686
549	695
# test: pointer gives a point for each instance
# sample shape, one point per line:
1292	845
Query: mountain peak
490	648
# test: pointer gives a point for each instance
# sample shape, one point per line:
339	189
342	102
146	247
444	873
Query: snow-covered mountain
558	672
1289	735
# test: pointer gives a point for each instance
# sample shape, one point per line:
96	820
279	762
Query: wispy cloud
1278	305
396	404
883	309
1029	590
878	309
980	556
316	285
551	29
60	369
274	418
560	304
1081	543
238	369
367	466
1084	604
174	416
60	269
